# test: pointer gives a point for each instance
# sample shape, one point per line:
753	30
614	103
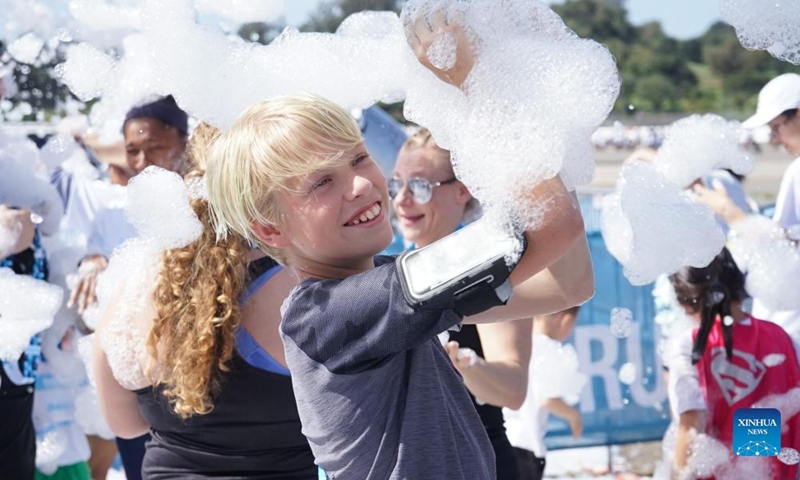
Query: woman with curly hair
217	398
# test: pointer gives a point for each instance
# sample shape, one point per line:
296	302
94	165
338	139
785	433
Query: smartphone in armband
467	270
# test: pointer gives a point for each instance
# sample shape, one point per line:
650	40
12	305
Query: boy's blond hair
270	143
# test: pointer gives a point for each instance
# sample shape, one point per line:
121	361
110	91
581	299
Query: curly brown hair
197	311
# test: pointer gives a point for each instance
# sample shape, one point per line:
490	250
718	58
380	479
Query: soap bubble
627	373
621	322
25	49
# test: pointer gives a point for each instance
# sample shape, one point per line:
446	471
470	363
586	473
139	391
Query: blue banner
613	412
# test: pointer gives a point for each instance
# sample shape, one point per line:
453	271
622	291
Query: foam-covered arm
555	272
118	405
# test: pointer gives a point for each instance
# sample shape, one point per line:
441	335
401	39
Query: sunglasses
421	189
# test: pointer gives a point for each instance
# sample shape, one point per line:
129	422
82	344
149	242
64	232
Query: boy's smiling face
337	218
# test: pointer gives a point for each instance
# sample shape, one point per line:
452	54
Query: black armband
466	271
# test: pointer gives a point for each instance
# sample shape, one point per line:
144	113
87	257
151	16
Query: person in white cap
777	107
778	104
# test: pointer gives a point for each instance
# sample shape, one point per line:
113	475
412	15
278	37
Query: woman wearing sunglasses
430	203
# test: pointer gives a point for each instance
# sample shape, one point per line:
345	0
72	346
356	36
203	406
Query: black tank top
253	432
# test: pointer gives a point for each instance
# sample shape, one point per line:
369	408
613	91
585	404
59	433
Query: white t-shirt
683	388
787	215
85	198
553	373
109	230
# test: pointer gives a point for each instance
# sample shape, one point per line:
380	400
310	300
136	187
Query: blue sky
680	18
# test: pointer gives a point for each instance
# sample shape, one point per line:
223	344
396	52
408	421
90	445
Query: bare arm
559	408
501	377
567	280
118	405
692	420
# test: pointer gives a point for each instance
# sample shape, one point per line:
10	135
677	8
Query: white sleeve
787	205
684	386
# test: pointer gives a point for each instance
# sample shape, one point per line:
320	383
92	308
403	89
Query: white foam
696	145
537	89
105	15
771	25
243	11
531	78
87	72
554	370
48	450
772	262
667	229
27	307
158	207
24	16
627	373
787	403
24	183
707	455
26	48
442	52
621	322
57	150
774	359
789	456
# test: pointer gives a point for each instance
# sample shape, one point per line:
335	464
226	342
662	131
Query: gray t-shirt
377	394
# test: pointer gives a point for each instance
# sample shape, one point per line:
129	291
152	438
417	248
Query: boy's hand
442	46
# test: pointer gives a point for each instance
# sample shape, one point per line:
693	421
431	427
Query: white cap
780	94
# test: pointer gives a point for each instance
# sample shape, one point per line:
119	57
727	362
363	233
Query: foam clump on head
771	25
771	261
158	207
27	307
26	48
696	145
667	229
533	97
